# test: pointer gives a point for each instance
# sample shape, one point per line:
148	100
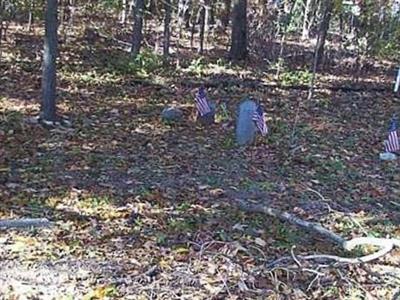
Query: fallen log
384	245
24	223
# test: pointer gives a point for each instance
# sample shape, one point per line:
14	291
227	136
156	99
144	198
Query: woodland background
144	209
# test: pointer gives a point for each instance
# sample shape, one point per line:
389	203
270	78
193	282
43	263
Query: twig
312	282
346	214
225	284
318	194
294	256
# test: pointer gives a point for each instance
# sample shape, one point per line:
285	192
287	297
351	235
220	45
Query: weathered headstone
171	114
208	118
245	126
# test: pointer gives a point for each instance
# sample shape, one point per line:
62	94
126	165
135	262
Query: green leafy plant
222	113
143	65
197	66
295	77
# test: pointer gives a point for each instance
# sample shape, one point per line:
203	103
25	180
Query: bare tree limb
384	245
24	223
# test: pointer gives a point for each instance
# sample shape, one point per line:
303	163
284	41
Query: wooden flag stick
397	84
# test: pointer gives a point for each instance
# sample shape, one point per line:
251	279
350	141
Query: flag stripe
201	103
392	143
258	118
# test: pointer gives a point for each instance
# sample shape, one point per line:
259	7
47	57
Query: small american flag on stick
201	102
392	143
259	119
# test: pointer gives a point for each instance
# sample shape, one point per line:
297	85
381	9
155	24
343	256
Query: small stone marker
171	114
245	126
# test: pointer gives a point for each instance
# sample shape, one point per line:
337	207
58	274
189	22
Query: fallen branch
24	223
384	245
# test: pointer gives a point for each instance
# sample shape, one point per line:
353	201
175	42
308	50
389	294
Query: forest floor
142	209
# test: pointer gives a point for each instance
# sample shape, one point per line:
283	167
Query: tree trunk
323	30
167	22
48	107
122	15
238	49
1	34
30	15
207	21
153	7
186	16
202	18
226	13
137	35
193	27
305	32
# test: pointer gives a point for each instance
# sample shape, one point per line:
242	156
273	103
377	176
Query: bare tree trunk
282	43
202	19
72	9
238	49
69	16
226	13
323	30
61	19
130	8
137	35
305	32
48	107
193	27
186	16
1	27
122	14
207	21
1	34
30	15
167	22
153	7
183	15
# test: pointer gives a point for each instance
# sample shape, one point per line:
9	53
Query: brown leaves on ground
141	207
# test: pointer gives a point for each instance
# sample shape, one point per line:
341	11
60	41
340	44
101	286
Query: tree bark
167	22
1	28
202	19
238	49
123	12
30	15
153	7
323	31
137	35
226	13
305	31
48	107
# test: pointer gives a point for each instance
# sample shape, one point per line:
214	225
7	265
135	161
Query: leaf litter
141	208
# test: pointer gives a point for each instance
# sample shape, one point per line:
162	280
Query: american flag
259	119
392	143
201	102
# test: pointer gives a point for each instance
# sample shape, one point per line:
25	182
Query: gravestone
171	114
245	126
208	118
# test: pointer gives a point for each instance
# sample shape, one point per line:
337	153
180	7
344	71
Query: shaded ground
142	207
